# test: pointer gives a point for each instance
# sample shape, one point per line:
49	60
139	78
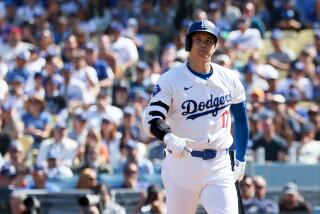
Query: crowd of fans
76	76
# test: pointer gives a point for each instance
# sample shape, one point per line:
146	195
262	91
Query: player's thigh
220	199
179	199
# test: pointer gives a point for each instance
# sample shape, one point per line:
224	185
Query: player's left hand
239	167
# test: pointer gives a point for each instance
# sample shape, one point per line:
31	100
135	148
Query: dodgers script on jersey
199	106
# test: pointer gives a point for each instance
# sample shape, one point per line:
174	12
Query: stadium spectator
108	204
12	126
275	146
111	138
292	201
40	179
37	121
87	179
245	38
94	160
104	72
17	157
72	90
281	56
314	115
131	178
79	129
154	202
64	147
297	82
287	16
266	206
249	11
8	175
124	48
133	154
19	69
103	107
56	169
309	148
94	149
247	189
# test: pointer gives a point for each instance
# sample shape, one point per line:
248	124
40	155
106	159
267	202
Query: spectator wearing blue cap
129	126
79	128
124	48
142	78
20	67
17	95
60	144
40	179
8	174
133	154
215	15
251	80
104	72
297	81
291	200
56	104
245	38
281	56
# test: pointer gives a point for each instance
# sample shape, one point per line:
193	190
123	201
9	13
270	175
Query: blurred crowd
76	76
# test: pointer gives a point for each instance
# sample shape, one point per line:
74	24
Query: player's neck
203	68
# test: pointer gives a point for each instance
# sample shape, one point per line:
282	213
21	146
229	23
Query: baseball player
190	112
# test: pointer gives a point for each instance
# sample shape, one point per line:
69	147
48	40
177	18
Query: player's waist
208	154
205	154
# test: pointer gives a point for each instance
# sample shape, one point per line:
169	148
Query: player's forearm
241	129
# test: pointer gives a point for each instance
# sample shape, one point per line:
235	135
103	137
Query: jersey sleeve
158	108
238	93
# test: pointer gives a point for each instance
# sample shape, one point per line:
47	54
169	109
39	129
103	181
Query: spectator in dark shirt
292	201
274	145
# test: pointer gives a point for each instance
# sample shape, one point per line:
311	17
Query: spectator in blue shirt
36	120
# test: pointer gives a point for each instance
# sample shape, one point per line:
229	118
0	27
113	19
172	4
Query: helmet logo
204	24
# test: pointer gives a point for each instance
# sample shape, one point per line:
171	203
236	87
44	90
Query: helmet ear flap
188	43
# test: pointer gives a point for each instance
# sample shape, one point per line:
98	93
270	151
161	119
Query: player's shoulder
172	74
224	72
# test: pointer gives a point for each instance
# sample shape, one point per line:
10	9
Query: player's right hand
177	145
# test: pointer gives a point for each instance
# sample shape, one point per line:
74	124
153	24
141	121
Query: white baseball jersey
198	108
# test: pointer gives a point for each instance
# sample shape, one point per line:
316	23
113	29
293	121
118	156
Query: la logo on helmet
204	24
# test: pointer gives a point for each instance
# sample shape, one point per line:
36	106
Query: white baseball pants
192	180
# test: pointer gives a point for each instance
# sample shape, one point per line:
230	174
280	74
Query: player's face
203	46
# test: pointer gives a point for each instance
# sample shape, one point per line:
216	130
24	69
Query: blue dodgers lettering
212	106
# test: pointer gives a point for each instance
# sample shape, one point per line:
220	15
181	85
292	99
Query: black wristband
159	128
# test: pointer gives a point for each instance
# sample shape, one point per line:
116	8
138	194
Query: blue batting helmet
200	26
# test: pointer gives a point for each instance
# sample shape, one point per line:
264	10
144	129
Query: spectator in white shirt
61	144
